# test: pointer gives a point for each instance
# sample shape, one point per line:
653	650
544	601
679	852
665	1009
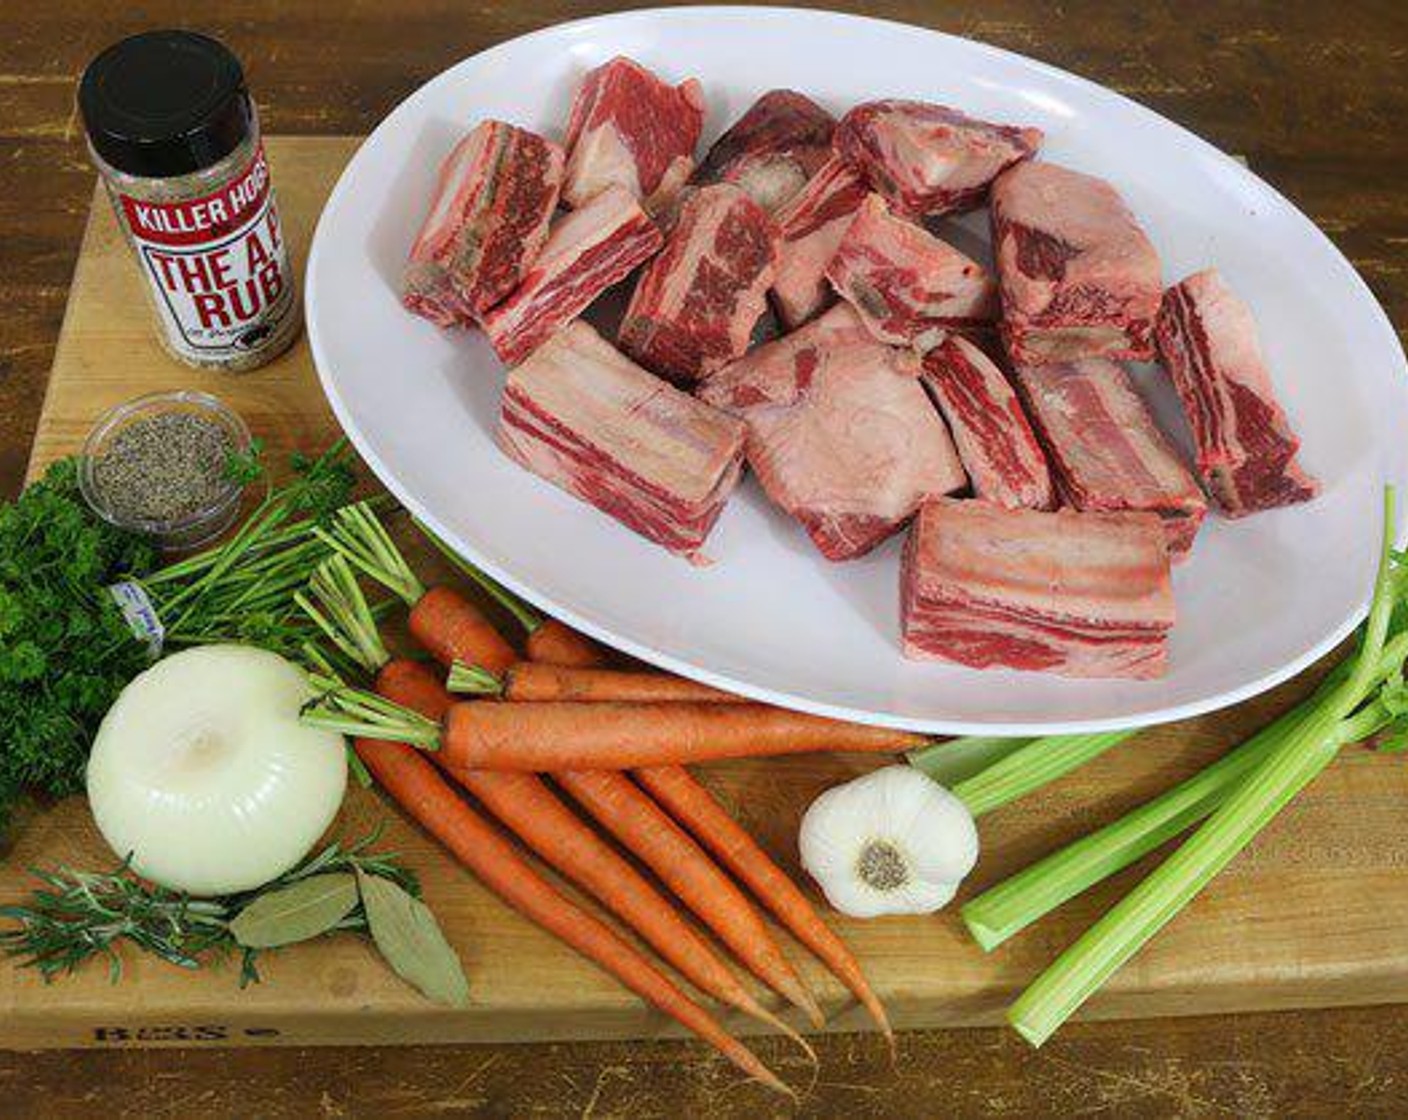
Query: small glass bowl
194	528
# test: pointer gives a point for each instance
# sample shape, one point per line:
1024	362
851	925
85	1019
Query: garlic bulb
202	773
891	842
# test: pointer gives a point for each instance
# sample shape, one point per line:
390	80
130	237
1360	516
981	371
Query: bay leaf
409	937
300	911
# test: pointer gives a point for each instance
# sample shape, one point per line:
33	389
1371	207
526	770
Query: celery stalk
1029	895
1076	975
1296	757
954	760
1030	767
1012	905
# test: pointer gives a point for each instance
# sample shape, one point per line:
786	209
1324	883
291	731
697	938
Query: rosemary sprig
78	915
75	916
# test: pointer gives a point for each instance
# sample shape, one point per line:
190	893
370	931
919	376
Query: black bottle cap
165	103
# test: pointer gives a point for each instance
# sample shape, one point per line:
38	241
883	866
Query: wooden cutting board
1314	914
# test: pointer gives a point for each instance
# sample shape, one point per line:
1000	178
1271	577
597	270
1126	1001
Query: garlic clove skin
856	899
890	842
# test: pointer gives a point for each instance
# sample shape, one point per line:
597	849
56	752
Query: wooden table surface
1312	93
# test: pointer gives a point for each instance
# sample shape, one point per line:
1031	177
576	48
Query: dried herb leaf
307	909
74	916
409	937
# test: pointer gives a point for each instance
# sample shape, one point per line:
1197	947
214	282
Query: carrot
451	628
528	681
696	809
414	685
555	736
548	641
638	823
525	805
441	619
418	787
555	643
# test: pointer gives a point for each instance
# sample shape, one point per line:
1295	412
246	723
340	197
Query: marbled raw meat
910	287
926	158
582	415
840	432
1079	277
999	450
812	226
1246	449
494	197
1105	448
1077	594
773	149
587	251
695	305
630	129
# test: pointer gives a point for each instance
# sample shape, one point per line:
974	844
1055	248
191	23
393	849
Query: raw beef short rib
1106	451
840	432
929	159
586	252
489	217
1077	594
812	226
1246	448
995	440
630	129
589	420
773	149
1079	278
909	287
695	305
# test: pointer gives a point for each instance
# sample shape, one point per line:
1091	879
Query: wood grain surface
1340	944
1313	94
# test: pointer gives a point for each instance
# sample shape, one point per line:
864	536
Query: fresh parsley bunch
65	650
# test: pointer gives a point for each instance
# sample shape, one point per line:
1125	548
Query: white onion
202	773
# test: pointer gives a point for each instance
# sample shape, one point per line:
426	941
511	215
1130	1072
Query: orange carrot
695	808
451	629
548	641
531	681
555	736
417	786
414	685
555	643
525	805
638	823
441	619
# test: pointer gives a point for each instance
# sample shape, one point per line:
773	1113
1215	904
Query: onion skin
202	774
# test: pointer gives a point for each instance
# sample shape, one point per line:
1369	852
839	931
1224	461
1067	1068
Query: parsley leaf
247	466
65	651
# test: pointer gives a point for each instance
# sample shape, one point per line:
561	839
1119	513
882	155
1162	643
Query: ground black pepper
165	467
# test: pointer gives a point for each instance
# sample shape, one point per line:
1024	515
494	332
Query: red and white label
217	265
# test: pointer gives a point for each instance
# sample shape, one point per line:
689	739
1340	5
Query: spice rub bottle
173	131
